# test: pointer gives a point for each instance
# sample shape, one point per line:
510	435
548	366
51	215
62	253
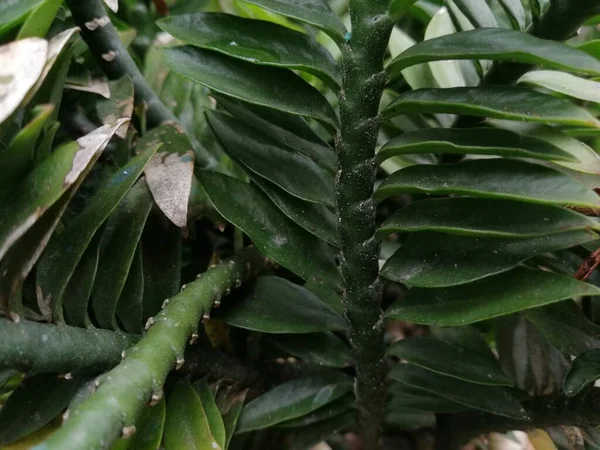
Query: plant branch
102	38
122	393
363	82
41	347
457	429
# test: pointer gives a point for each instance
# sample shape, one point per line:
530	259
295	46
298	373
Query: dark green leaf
65	250
405	418
273	233
325	349
293	399
230	410
37	400
274	305
311	435
482	217
438	260
255	41
479	141
287	129
584	371
495	296
498	44
119	105
449	359
498	102
186	425
398	8
294	173
565	327
515	12
478	12
403	396
491	178
150	428
326	412
315	12
313	217
12	12
130	308
493	399
213	415
117	249
273	87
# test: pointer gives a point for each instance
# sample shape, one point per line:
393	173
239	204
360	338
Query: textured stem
552	410
101	37
363	82
41	347
122	393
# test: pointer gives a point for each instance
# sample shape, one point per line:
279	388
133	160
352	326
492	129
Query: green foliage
257	224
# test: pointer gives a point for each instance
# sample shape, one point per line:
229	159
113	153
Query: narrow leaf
479	141
563	83
130	307
149	428
273	233
273	87
274	305
325	349
496	296
493	399
455	215
584	371
329	411
515	12
498	102
293	399
294	172
404	396
119	105
314	12
213	415
491	178
478	12
313	434
399	8
255	41
450	360
438	260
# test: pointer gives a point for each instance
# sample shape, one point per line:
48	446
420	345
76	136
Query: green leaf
313	434
130	307
273	87
230	408
47	184
438	260
478	12
326	412
495	296
119	243
403	396
255	41
399	8
274	305
65	250
584	371
325	349
491	178
450	360
482	217
287	129
37	400
149	428
493	399
294	172
564	326
314	12
479	141
186	424
313	217
499	102
17	160
119	105
293	399
273	233
24	63
515	12
563	83
213	415
13	12
404	418
40	19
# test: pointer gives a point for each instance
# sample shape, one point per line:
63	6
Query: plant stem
122	393
102	38
40	347
363	82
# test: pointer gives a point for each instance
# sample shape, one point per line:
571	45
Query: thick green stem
41	347
455	430
122	393
103	40
363	82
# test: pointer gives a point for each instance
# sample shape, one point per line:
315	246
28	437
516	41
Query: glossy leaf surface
584	371
325	349
563	83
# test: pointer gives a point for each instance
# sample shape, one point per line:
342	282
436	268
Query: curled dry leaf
22	66
169	177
